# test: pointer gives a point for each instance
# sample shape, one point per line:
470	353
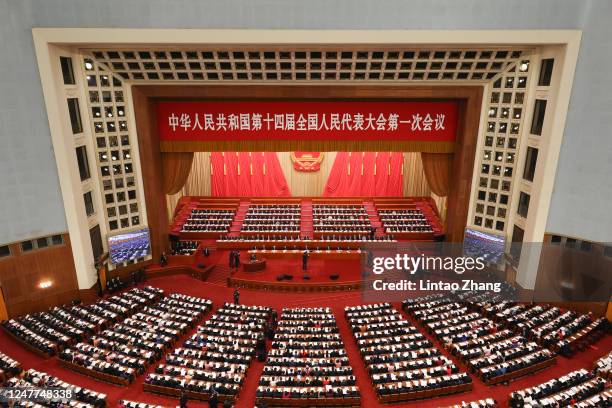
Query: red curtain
175	170
438	168
366	174
336	181
242	174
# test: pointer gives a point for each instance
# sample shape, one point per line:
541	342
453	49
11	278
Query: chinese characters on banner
201	121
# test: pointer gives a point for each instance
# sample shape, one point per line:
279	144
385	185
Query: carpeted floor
337	301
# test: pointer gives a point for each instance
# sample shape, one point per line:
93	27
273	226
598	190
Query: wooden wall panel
3	309
151	168
458	200
21	274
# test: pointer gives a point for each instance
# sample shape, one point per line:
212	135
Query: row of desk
351	254
302	244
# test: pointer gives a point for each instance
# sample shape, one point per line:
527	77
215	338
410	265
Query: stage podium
256	265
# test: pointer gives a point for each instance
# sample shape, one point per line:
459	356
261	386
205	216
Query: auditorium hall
279	203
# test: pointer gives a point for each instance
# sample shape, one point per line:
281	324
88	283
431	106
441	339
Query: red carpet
236	225
374	218
306	228
337	301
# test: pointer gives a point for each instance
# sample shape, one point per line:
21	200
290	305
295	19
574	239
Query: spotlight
45	284
88	65
524	66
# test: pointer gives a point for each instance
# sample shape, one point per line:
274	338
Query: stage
316	278
239	207
334	262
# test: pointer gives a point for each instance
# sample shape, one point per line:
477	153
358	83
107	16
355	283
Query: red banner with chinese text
307	120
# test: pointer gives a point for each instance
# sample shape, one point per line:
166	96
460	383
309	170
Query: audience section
208	220
403	364
562	331
48	333
185	248
124	351
136	404
579	388
493	353
308	364
484	403
63	393
340	220
8	367
279	219
214	361
603	366
404	220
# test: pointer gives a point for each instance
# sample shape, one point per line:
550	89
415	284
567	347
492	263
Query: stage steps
220	273
182	216
236	225
374	218
431	213
306	222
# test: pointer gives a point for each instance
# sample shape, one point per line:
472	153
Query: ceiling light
45	284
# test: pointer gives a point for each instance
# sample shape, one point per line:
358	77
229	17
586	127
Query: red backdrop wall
366	174
242	174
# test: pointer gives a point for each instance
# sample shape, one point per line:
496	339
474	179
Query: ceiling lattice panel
480	65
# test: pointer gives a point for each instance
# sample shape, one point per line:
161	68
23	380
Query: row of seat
562	331
8	367
185	247
404	220
308	361
215	359
603	366
271	218
580	388
492	352
483	403
50	332
73	396
135	404
403	364
208	220
331	240
329	218
123	351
